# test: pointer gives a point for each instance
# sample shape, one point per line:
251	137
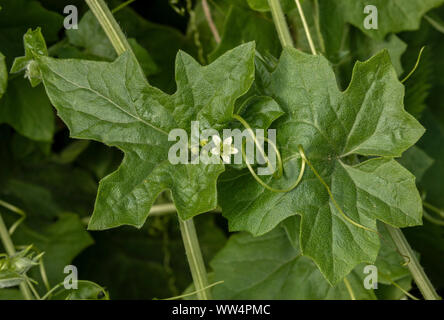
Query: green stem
120	44
109	25
421	279
307	30
195	259
10	250
349	289
432	219
433	208
280	23
122	6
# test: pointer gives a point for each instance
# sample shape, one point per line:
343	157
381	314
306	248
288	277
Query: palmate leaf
367	119
113	103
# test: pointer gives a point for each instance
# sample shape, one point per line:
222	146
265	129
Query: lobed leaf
113	103
369	120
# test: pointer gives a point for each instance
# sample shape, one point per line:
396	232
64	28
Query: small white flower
226	150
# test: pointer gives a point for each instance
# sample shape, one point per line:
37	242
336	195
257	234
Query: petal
228	141
226	159
215	151
216	140
234	150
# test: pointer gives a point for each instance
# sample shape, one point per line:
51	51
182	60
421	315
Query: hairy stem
195	259
421	279
10	250
189	236
280	23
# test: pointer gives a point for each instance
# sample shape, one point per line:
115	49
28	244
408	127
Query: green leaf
416	161
260	111
113	103
17	16
91	38
242	26
94	44
28	110
35	46
393	16
162	43
390	262
279	272
370	122
363	48
3	75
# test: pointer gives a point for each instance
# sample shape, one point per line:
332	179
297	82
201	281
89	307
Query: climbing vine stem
189	236
109	25
195	260
421	279
280	23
